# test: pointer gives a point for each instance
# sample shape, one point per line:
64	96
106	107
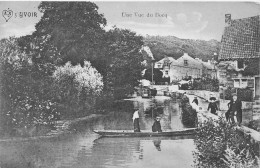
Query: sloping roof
206	64
191	61
170	59
227	65
241	39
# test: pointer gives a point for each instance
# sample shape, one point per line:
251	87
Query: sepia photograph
130	84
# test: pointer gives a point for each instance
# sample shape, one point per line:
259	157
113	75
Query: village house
184	67
239	52
164	65
238	69
209	69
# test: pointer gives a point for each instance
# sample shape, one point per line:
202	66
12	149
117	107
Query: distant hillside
171	46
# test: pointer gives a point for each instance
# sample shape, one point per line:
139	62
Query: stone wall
203	93
223	105
247	107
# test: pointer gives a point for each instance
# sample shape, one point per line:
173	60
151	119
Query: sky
188	20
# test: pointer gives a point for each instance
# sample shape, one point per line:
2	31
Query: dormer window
186	62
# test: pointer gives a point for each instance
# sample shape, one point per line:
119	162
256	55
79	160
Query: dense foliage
243	94
26	93
77	88
122	63
67	31
254	124
157	75
74	31
171	46
206	84
252	67
39	86
221	145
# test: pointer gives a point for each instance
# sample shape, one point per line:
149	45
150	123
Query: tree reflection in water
84	149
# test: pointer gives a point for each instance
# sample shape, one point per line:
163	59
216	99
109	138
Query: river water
88	150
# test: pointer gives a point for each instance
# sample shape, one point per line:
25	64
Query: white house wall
178	70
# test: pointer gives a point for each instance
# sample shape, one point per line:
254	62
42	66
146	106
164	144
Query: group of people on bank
234	113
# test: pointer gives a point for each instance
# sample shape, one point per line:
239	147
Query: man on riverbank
235	108
136	121
213	106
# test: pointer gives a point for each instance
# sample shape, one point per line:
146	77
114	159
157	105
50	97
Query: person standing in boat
136	121
157	125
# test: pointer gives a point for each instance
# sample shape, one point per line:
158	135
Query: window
185	62
236	83
250	83
166	72
243	83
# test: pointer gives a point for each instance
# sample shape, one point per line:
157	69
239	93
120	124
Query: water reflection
86	149
157	144
166	108
79	152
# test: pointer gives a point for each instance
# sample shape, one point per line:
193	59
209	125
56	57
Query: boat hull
126	133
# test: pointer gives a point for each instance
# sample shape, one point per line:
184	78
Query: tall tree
123	61
73	31
67	31
157	75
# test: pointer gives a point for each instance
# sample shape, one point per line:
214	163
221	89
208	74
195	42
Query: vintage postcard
129	84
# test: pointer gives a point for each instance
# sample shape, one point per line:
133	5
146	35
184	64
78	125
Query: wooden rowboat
129	133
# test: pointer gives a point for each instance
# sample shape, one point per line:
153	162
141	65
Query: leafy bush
215	139
31	96
85	77
254	124
78	88
243	94
206	84
243	159
228	93
26	91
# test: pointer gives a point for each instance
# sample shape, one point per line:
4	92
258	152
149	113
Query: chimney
228	19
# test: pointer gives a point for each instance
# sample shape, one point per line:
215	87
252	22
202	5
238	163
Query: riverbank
204	115
63	128
82	147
